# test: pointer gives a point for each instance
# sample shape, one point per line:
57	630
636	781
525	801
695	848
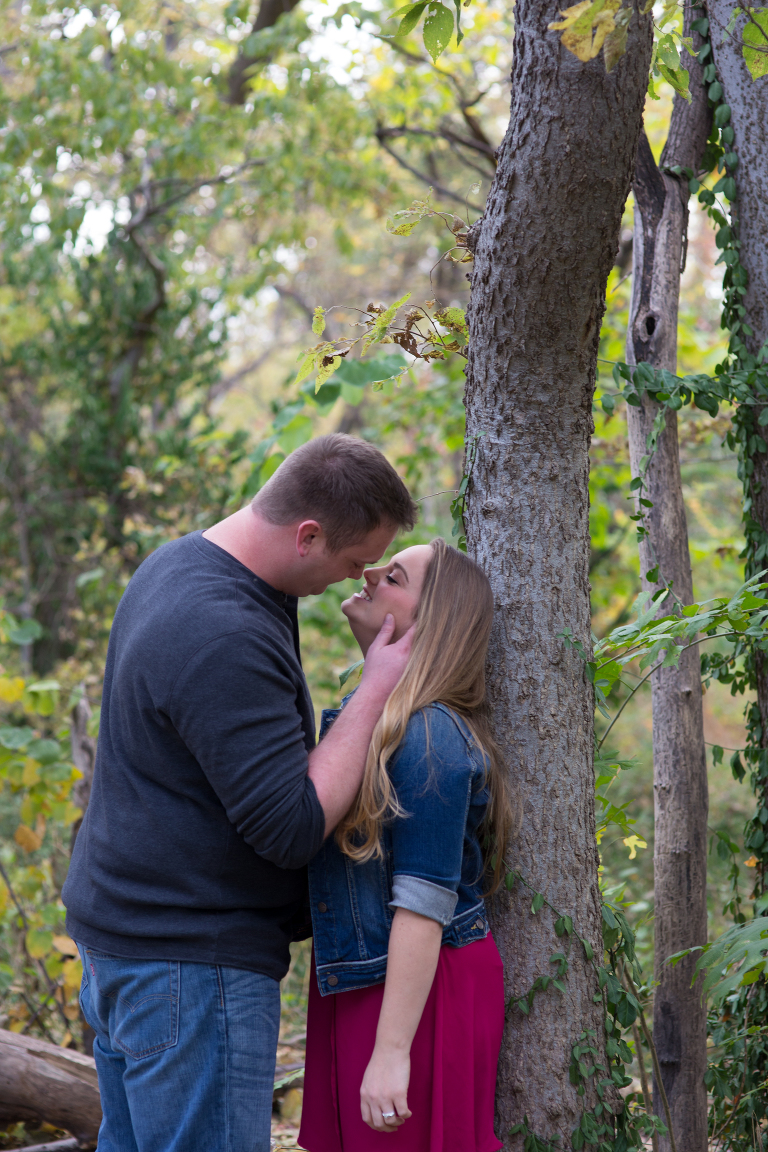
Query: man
188	877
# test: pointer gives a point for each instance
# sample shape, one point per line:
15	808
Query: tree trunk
679	759
47	1084
748	101
543	253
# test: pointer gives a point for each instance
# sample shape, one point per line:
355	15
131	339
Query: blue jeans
185	1054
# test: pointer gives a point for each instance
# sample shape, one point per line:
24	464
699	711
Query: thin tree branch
439	188
628	983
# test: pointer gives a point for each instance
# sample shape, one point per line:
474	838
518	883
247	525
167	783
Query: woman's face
394	587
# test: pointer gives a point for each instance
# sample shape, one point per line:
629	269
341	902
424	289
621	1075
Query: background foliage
162	251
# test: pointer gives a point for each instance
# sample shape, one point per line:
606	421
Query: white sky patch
337	47
82	19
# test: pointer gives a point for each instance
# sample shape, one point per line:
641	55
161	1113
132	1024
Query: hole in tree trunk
650	325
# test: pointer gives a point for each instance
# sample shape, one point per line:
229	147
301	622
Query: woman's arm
414	948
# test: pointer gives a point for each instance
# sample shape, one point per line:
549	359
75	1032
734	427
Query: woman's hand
384	1089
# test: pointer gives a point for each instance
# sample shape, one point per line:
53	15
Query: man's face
323	567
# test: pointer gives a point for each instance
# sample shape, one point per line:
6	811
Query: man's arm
336	765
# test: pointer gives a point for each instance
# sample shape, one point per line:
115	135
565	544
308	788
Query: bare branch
439	188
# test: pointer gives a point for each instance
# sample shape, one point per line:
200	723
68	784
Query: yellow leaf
31	773
72	971
67	1037
11	689
65	945
16	1025
27	839
585	26
633	843
318	321
752	862
325	370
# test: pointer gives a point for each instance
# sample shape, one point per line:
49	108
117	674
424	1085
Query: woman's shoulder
437	729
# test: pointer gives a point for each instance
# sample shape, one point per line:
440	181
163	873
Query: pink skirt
454	1057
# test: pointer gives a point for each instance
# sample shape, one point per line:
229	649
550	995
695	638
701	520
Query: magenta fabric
453	1061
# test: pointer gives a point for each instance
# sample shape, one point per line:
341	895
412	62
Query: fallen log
47	1084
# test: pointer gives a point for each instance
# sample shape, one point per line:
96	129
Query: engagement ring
388	1115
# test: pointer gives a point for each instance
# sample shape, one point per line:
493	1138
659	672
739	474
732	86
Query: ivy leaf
538	903
438	29
755	43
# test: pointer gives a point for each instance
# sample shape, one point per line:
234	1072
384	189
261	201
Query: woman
406	1009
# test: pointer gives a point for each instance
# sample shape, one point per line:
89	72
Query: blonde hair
446	666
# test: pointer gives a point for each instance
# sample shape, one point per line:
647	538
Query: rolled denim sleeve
432	773
424	897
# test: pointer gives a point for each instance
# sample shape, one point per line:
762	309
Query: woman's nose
371	575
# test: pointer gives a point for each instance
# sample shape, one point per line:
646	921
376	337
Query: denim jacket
432	862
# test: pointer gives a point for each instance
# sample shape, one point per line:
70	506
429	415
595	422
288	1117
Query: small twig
630	987
425	179
52	986
647	1098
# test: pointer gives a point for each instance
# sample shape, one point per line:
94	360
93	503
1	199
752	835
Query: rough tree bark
44	1083
748	101
543	253
679	760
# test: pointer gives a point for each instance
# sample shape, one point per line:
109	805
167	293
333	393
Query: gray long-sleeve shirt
202	816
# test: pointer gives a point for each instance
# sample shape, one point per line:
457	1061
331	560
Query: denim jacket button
478	924
333	981
322	907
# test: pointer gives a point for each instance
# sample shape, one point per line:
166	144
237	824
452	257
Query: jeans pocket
141	1000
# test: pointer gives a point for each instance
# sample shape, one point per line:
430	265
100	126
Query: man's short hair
344	483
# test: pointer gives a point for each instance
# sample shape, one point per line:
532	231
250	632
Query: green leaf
733	956
588	950
438	29
755	43
91	577
410	19
345	675
538	903
722	115
25	632
509	881
16	738
384	319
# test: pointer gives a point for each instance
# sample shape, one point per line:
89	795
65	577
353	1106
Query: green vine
737	1077
604	1126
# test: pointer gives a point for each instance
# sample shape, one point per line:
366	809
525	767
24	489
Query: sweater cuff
430	900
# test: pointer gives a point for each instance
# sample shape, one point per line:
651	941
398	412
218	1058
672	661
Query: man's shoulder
188	594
